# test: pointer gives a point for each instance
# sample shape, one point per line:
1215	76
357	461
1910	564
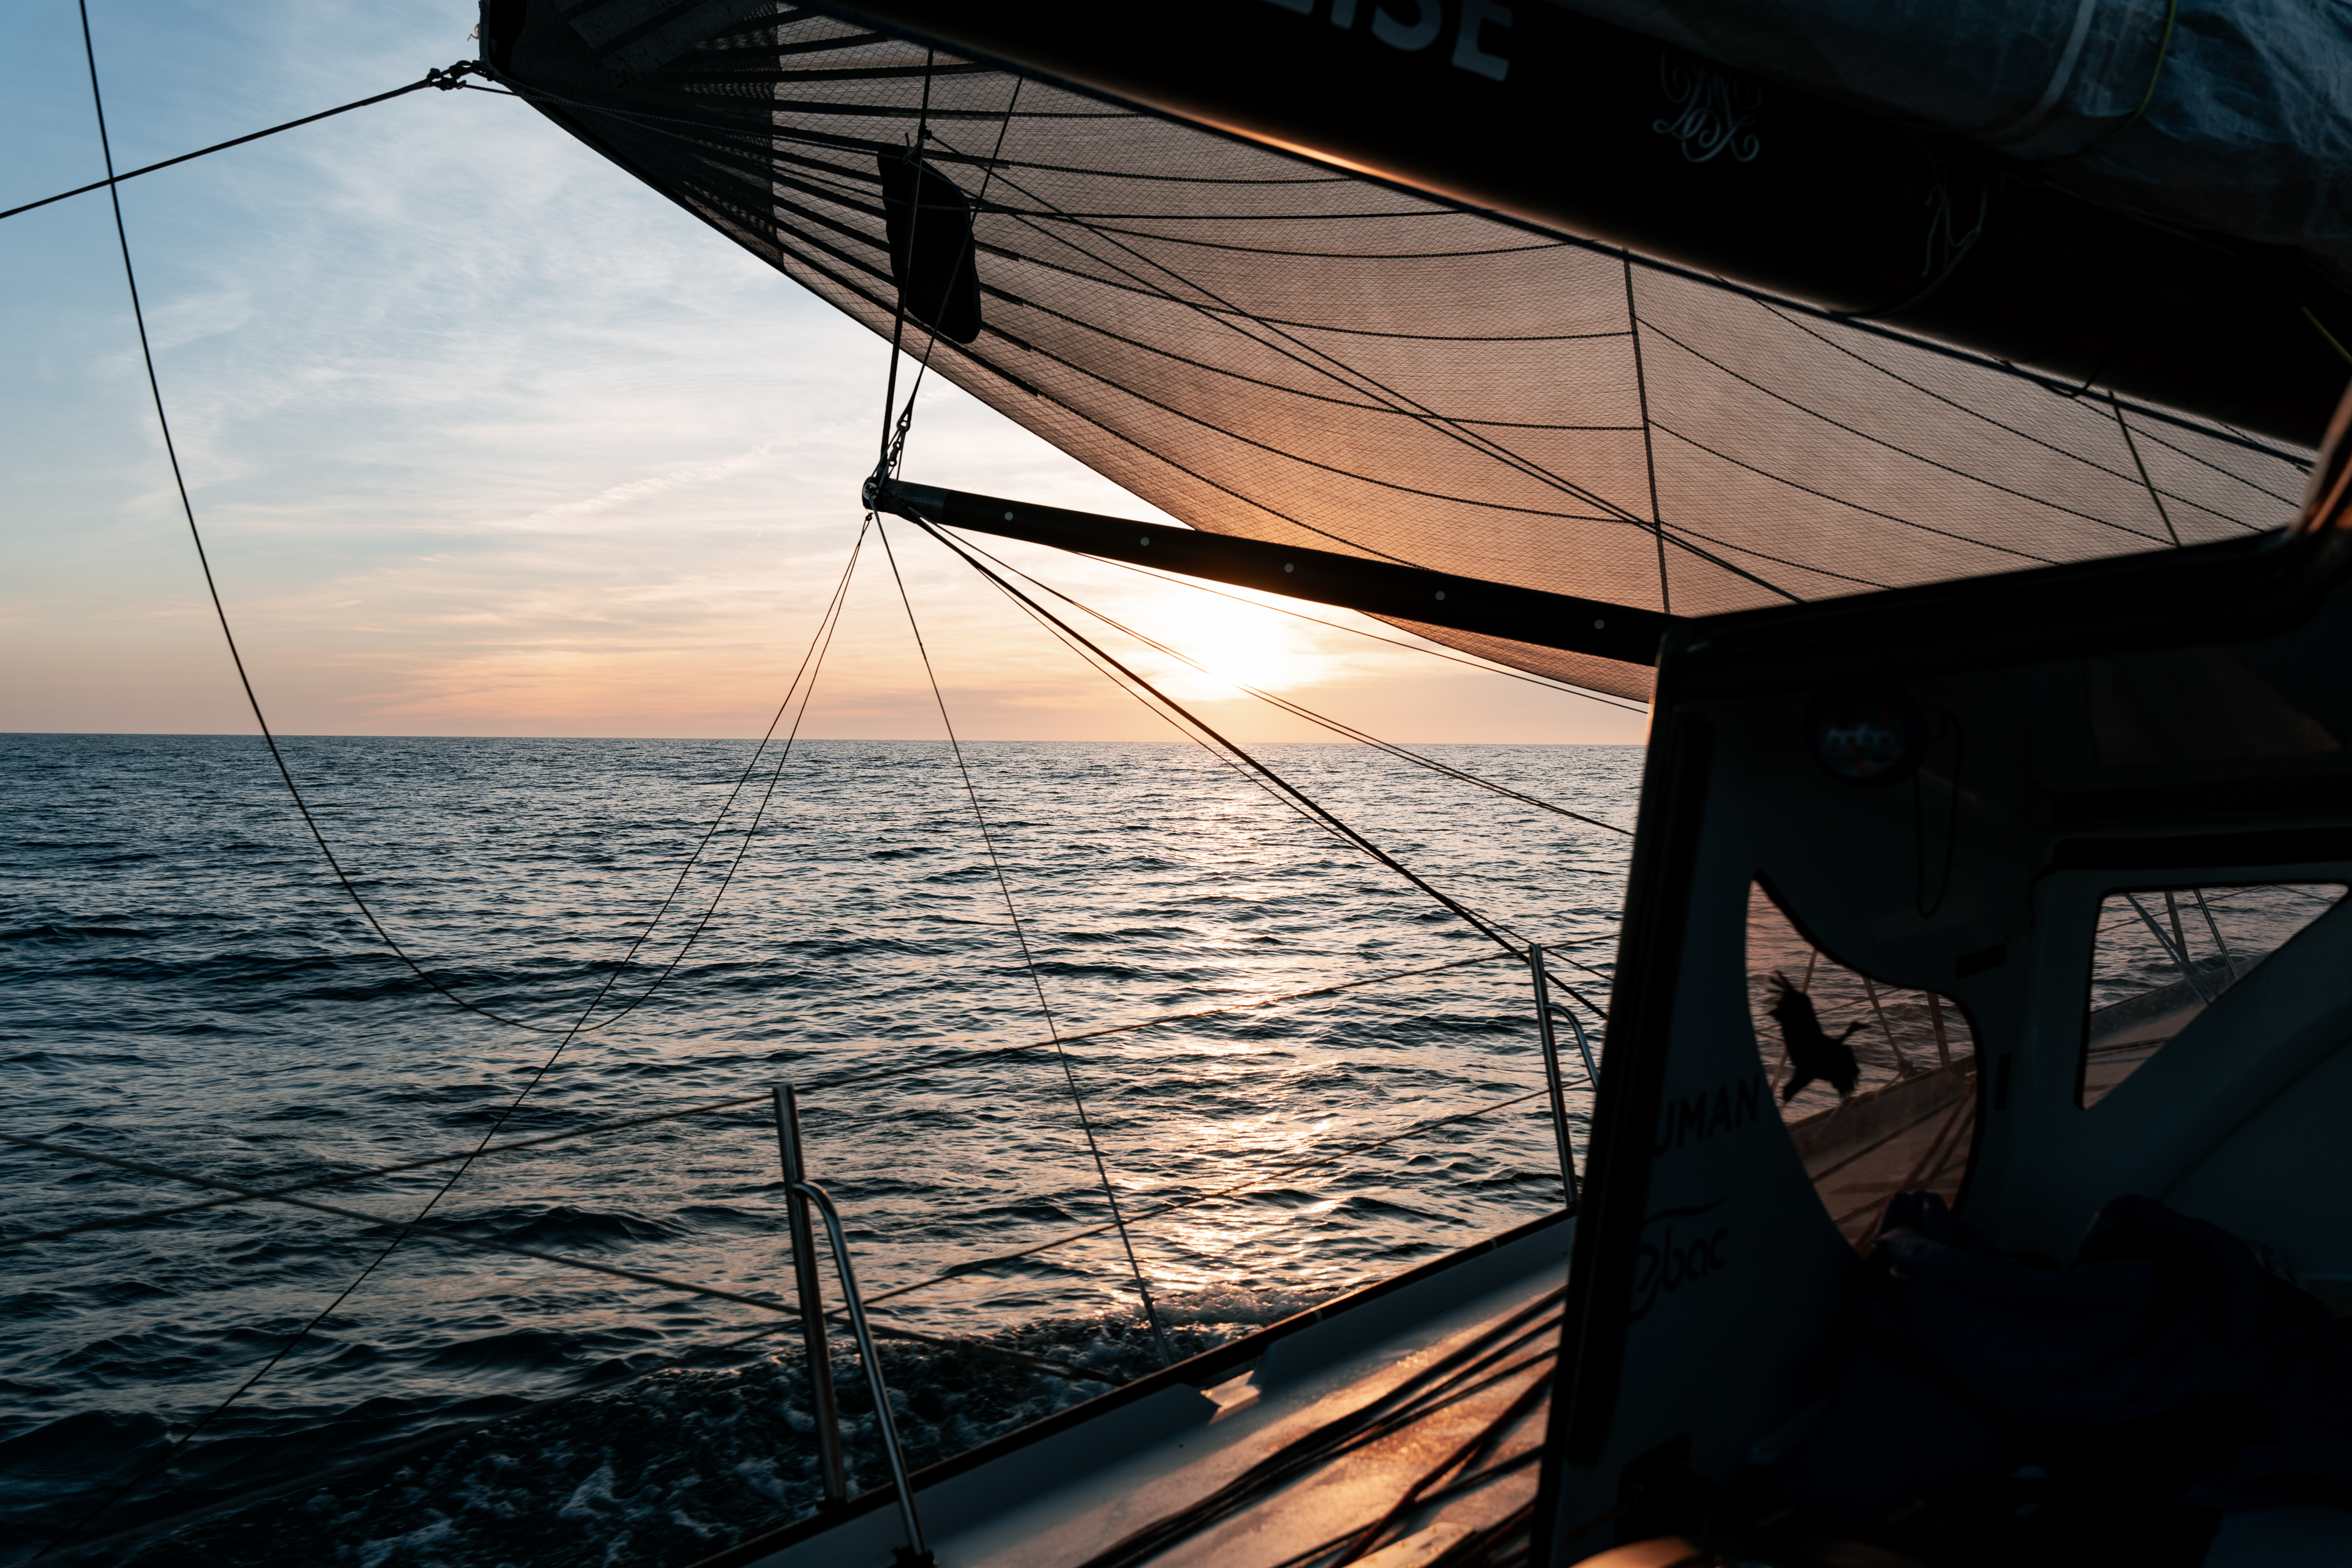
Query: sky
487	438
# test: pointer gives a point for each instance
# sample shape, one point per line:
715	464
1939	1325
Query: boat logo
1693	1118
1716	109
1682	1254
1866	737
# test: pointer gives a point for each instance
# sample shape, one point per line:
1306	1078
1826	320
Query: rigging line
252	699
1858	506
1451	429
1095	222
484	1244
1477	922
1241	762
1429	418
1482	665
155	390
818	646
1465	1455
1338	727
1258	1179
1442	1383
1300	709
856	292
1087	656
438	77
2163	51
914	226
1242	765
163	1461
1029	959
2133	446
1676	538
1953	403
769	133
1649	449
1357	403
971	241
1704	279
1306	355
1916	456
900	1071
203	560
1777	560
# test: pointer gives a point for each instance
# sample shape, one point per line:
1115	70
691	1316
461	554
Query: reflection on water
2160	955
182	983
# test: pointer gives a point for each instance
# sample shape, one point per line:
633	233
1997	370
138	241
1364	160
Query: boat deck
1900	1137
1433	1390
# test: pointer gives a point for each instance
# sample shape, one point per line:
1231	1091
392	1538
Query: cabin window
1876	1082
2163	954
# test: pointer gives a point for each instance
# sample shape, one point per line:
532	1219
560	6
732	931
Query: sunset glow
530	474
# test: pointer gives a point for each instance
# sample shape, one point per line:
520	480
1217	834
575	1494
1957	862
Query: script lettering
1677	1257
1714	111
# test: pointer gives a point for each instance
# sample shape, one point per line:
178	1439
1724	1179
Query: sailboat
1960	473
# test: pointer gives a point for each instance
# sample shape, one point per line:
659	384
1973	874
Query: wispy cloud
487	438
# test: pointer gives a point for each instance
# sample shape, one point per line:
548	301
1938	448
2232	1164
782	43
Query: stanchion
822	1405
914	1555
1551	1072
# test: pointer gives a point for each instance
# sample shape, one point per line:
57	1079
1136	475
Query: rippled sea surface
182	983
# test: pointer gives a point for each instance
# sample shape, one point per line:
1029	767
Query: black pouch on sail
929	220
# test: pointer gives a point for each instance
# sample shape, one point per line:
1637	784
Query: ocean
183	984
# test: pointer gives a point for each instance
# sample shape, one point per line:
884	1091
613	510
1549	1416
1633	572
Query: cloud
483	436
654	485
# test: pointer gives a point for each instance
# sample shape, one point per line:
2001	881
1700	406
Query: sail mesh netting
1265	346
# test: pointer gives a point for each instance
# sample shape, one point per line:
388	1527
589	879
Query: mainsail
1267	345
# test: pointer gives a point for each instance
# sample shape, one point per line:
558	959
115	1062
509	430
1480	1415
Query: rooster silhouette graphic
1812	1053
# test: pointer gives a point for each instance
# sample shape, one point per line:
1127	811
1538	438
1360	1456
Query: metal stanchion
914	1555
822	1403
1551	1072
1583	1048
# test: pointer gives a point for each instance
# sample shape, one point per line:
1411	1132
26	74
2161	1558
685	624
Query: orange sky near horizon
573	465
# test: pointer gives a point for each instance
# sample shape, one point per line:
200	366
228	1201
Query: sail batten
1266	348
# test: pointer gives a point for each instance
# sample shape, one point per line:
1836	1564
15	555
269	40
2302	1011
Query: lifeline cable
1028	959
1257	1179
536	1255
340	1178
1300	711
242	1195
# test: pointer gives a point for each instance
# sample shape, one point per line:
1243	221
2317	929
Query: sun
1240	646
